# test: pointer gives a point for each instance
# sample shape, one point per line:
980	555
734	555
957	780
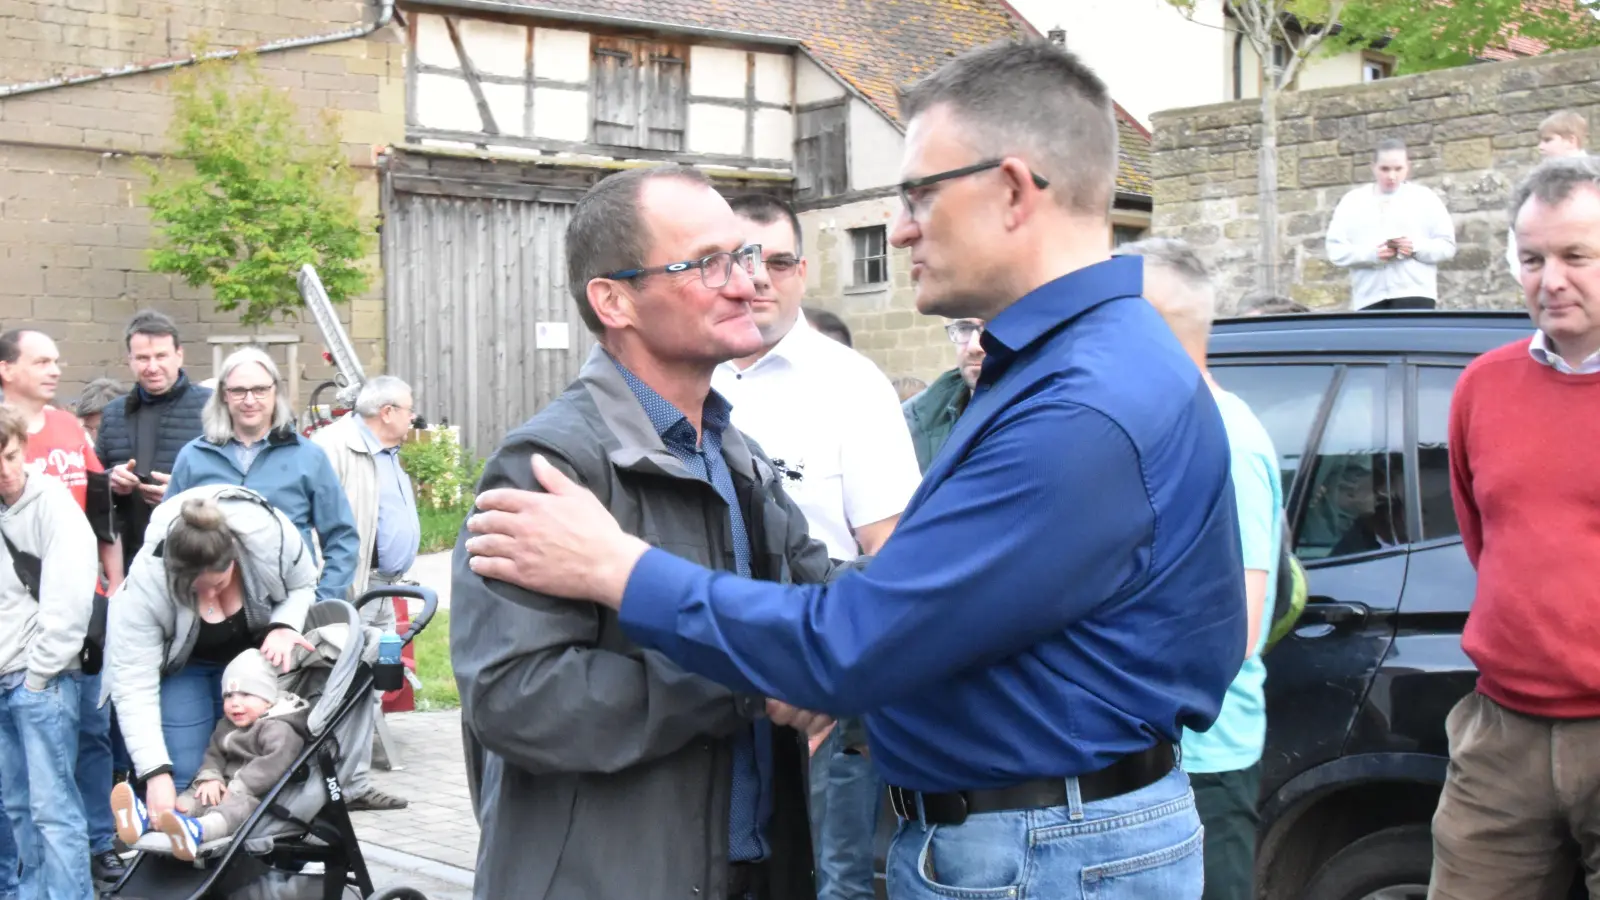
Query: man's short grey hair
96	396
215	421
1036	101
1554	180
384	390
1389	145
606	233
1194	311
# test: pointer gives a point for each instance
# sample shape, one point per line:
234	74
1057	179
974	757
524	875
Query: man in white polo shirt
832	423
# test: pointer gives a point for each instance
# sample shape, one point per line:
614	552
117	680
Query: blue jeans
191	706
845	799
8	855
94	762
38	751
1141	845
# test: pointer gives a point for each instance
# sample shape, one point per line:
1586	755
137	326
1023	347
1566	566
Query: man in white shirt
1563	133
1391	235
832	423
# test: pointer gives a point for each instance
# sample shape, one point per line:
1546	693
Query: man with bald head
1224	763
604	769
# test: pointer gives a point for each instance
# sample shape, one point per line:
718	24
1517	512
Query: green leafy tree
249	195
1433	34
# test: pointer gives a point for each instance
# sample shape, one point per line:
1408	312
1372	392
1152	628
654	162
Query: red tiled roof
876	46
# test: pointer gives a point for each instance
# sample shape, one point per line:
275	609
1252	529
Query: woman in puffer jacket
220	571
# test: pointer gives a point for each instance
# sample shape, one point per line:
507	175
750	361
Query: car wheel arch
1314	815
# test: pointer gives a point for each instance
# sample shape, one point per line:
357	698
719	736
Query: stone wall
73	232
1471	132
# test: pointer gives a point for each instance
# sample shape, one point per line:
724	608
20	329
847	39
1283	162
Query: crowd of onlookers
165	544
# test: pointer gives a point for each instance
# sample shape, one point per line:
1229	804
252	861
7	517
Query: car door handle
1333	612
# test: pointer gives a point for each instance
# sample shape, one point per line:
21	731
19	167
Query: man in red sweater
1523	793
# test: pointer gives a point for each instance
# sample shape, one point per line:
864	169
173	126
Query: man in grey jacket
364	448
47	579
603	770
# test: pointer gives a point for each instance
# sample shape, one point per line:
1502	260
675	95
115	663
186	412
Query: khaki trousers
1520	808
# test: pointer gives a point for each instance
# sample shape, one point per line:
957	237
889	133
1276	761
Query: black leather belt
1126	775
745	879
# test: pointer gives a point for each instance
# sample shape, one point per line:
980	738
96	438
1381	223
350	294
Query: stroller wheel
399	893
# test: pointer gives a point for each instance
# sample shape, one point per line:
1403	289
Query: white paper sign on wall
551	336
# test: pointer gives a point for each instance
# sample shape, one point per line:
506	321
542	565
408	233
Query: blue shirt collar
374	446
1044	308
669	422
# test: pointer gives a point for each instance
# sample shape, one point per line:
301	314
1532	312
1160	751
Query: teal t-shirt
1236	739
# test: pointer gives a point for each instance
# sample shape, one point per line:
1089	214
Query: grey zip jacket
149	633
43	635
599	769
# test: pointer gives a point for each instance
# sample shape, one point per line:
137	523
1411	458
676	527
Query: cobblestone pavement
439	824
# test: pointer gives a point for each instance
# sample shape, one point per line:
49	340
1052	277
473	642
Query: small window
870	247
1374	69
1286	400
1351	505
1435	386
1125	234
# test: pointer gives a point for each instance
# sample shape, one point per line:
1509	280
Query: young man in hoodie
45	624
260	734
58	448
1392	235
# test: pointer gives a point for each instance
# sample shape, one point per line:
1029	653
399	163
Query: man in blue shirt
1224	763
1063	595
599	768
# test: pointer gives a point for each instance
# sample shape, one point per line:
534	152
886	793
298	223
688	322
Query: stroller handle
429	598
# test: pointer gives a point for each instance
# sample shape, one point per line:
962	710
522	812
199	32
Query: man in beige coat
364	448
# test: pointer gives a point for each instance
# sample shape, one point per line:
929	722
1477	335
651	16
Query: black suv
1358	405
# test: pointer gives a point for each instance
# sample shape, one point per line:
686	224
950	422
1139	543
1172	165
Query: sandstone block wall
73	232
1471	132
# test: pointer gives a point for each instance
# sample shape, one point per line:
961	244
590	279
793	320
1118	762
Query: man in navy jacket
140	434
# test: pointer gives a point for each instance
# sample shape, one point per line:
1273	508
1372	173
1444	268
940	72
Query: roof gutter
385	16
524	10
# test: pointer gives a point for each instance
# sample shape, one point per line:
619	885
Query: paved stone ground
439	824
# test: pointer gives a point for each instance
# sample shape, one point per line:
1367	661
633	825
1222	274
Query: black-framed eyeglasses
912	192
962	332
258	391
715	270
781	263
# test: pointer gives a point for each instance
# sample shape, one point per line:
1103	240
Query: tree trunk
1267	185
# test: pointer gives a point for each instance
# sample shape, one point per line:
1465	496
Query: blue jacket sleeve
335	524
998	556
182	477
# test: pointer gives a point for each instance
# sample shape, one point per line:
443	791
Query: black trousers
1227	803
1404	303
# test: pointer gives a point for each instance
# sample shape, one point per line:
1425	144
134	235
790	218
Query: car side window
1286	399
1435	386
1350	505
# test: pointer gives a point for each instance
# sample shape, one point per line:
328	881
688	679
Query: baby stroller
303	819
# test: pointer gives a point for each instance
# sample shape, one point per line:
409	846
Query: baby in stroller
260	736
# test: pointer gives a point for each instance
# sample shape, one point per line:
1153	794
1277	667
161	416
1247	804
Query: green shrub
446	479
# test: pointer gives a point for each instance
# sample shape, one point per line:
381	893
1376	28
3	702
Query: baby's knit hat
250	673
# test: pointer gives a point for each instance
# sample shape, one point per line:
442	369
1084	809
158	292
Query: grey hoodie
149	634
44	636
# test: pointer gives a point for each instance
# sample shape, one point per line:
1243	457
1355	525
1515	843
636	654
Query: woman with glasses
249	439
